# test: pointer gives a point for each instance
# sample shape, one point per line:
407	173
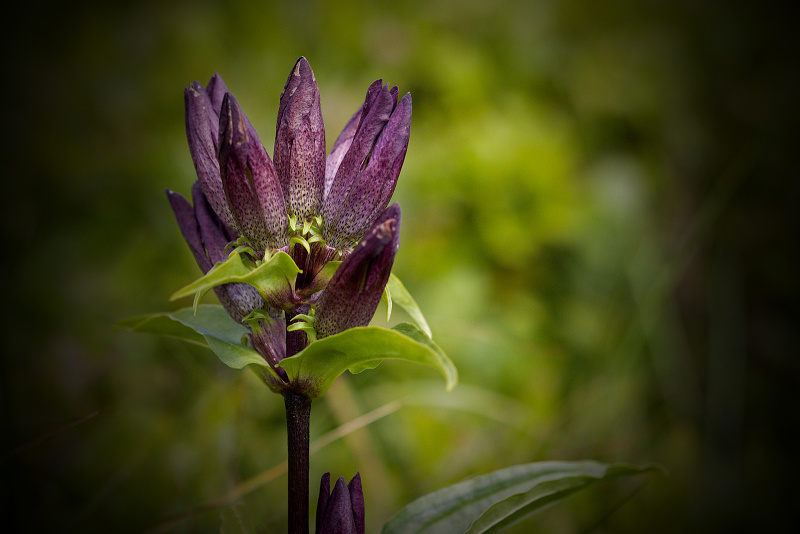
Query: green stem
298	416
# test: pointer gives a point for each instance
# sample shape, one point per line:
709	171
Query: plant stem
298	415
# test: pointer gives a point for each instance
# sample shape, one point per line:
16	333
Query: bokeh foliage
598	220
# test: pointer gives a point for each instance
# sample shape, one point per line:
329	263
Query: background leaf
499	499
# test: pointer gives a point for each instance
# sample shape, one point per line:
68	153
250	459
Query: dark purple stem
298	415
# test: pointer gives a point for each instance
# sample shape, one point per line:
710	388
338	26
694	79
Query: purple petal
300	143
270	339
339	512
375	113
202	132
322	502
340	148
376	181
248	177
211	231
353	294
187	222
357	503
216	90
239	300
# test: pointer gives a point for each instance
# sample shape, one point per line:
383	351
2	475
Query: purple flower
340	512
256	198
316	209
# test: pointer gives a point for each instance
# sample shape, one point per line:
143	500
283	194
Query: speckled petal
239	300
340	148
353	294
202	132
376	181
377	109
300	143
251	186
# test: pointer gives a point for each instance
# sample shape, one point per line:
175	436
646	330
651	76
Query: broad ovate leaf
318	365
209	326
274	278
492	502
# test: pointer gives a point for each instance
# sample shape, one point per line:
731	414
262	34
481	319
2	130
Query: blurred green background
599	218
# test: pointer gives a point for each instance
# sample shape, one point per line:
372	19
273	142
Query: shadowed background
599	218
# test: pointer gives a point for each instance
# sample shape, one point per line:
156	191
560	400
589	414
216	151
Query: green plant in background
299	251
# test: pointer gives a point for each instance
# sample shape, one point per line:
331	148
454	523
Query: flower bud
353	294
300	143
340	512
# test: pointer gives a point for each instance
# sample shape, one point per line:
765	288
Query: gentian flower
340	512
315	208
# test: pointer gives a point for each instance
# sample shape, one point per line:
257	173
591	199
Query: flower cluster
314	208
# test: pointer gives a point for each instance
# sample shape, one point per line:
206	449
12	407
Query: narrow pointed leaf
399	295
386	298
491	502
319	364
521	506
273	279
211	327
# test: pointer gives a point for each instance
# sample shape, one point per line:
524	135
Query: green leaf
386	298
273	279
492	502
319	364
210	326
400	295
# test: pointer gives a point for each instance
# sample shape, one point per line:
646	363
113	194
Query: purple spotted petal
375	113
270	338
367	174
300	143
376	181
340	148
202	132
353	294
248	177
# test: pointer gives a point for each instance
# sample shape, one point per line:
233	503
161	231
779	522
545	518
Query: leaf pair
318	365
